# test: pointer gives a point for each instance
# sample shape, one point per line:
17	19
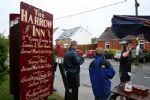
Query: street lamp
137	45
136	7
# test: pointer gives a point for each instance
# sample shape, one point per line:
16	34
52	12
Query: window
141	44
107	45
66	45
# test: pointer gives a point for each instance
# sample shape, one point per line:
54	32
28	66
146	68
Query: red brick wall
147	45
111	44
114	44
101	44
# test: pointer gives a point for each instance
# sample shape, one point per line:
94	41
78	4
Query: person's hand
131	47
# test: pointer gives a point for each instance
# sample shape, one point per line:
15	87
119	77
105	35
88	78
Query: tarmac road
141	75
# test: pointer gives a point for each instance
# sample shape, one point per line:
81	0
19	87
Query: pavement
140	75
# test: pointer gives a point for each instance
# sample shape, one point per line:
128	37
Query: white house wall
56	35
82	37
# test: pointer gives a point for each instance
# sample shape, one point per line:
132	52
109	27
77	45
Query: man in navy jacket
71	63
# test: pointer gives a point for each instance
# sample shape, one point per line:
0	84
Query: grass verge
5	93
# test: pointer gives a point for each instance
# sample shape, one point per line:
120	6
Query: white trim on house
141	44
107	45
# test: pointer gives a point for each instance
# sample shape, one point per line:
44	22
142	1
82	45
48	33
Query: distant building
56	32
108	40
81	35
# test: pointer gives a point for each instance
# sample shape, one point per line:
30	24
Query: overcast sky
95	22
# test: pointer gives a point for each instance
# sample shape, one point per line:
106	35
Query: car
80	52
117	55
89	54
144	56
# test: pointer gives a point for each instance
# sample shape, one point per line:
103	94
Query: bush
111	51
3	57
147	54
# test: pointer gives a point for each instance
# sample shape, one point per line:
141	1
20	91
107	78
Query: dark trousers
45	98
73	94
54	70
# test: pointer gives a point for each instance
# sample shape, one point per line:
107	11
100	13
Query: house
81	35
56	32
108	40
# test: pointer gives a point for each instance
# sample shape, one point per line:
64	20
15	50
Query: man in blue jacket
101	71
71	63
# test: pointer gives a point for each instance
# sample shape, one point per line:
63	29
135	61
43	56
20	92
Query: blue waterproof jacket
100	76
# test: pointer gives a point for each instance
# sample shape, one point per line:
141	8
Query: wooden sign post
34	53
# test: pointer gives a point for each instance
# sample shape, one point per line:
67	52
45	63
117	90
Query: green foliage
3	57
5	92
55	96
146	54
111	51
94	40
4	89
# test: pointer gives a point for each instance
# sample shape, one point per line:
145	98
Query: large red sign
35	53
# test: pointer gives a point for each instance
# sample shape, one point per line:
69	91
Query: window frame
141	42
107	44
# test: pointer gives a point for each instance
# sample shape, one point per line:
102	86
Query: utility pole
136	7
137	39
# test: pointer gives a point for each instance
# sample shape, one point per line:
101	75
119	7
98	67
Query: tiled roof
129	37
68	33
109	35
54	30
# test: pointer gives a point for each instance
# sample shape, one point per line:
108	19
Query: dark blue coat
100	76
71	63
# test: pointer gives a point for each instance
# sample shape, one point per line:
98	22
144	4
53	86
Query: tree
94	40
3	56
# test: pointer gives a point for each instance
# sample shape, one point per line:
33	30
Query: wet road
141	75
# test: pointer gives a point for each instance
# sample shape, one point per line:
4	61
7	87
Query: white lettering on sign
38	20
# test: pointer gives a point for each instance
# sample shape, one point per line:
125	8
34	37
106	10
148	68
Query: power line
90	10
